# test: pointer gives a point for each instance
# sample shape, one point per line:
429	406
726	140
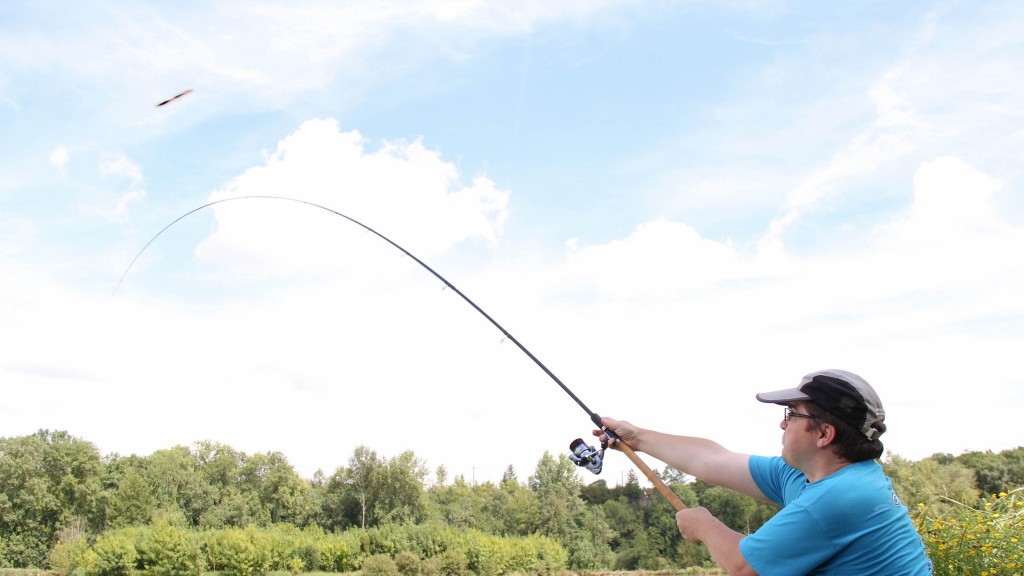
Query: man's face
799	438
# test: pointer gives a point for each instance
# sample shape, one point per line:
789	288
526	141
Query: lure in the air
174	98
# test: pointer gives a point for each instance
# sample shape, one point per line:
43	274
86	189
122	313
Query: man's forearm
702	458
723	543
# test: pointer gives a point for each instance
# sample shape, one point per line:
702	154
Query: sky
672	205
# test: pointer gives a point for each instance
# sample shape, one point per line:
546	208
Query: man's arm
700	457
723	543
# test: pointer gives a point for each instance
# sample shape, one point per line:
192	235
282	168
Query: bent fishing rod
580	453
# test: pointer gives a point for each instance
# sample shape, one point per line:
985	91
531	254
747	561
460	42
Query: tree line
53	484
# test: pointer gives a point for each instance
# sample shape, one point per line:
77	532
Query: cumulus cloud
60	157
660	258
402	190
952	234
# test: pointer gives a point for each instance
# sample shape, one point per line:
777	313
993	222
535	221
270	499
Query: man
840	514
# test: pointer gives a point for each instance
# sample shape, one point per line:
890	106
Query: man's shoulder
856	485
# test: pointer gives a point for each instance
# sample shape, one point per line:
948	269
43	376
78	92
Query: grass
687	572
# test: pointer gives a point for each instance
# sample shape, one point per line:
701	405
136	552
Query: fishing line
582	454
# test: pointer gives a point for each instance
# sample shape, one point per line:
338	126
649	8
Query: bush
114	554
236	552
980	541
295	565
428	540
408	563
379	565
485	555
168	550
71	549
312	559
448	563
338	552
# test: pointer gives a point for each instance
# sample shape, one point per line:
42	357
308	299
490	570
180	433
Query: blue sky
674	205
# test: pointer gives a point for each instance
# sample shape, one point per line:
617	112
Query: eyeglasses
790	414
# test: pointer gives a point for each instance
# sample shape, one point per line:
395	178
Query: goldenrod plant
982	540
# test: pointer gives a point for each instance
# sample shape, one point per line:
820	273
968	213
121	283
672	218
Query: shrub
338	552
553	557
115	554
379	565
235	552
408	563
295	565
282	542
451	563
71	549
168	550
981	541
485	555
312	559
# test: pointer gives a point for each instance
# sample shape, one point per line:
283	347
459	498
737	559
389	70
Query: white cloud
60	157
660	259
402	190
127	176
952	234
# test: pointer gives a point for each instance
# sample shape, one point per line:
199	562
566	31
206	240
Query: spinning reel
587	456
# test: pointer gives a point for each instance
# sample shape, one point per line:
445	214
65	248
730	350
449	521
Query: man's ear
826	435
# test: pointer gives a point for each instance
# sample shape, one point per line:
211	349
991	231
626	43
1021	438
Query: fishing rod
580	453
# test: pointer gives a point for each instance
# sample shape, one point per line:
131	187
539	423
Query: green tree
131	501
360	477
173	476
996	472
397	490
931	482
47	480
453	504
272	481
520	509
509	475
564	516
220	469
596	493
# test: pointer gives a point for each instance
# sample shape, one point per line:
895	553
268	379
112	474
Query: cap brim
783	396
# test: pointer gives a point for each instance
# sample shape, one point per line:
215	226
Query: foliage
170	550
115	553
448	563
238	552
564	516
183	510
47	480
379	565
931	482
976	541
994	472
408	563
71	549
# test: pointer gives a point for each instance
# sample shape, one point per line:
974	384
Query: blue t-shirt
849	523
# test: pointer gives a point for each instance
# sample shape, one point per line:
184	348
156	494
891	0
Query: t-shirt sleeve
792	542
775	478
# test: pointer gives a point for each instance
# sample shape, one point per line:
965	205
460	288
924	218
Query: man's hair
850	444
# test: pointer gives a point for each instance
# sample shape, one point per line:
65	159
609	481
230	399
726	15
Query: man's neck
824	467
